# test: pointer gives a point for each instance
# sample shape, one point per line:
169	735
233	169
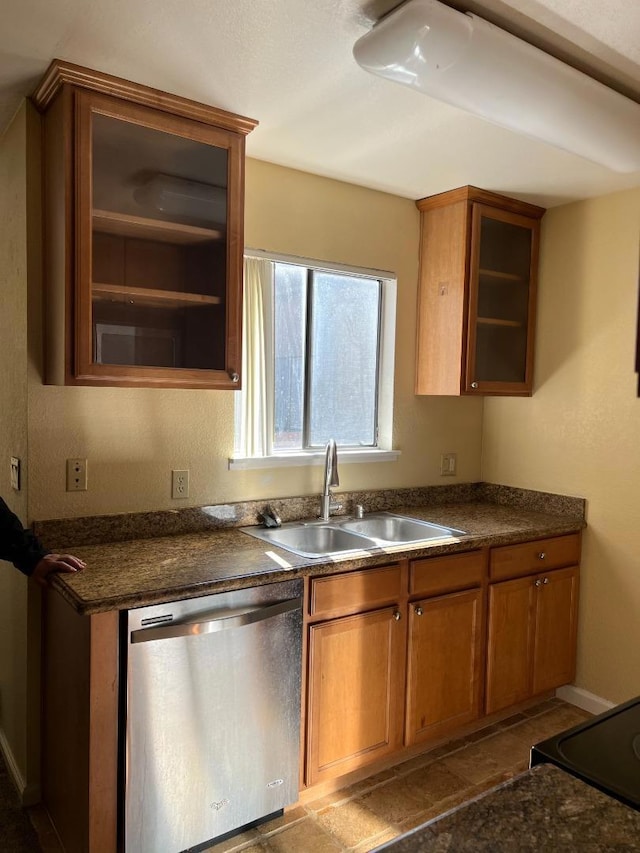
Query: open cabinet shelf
502	276
146	296
143	228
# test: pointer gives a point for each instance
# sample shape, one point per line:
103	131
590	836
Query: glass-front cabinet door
501	301
157	287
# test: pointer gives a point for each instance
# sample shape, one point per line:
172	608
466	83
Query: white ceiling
288	63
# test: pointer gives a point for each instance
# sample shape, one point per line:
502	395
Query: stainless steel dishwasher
212	715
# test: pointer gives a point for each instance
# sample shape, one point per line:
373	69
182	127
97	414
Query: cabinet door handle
419	611
474	384
538	582
234	377
545	580
542	555
397	615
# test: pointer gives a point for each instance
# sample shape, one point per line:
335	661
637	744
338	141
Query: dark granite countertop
543	810
136	572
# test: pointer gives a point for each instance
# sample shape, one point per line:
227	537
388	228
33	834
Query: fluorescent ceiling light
178	196
465	61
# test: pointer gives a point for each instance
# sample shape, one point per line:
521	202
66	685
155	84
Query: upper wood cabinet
477	293
143	214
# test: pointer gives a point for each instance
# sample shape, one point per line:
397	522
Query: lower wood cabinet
409	653
554	648
531	645
356	682
444	676
390	675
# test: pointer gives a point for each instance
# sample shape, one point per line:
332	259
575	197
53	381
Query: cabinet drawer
435	575
514	561
353	591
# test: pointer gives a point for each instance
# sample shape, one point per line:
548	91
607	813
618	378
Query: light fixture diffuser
465	61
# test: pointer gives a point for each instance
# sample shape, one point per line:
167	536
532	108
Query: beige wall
580	432
14	669
134	437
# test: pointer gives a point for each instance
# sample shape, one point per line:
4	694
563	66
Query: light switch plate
15	473
448	464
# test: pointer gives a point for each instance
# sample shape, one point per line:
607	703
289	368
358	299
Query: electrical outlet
179	484
76	475
15	473
448	464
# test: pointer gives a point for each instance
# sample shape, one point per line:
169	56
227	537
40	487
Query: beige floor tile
540	708
353	822
548	724
303	837
290	816
372	782
481	734
488	757
511	721
234	843
436	782
334	799
415	763
419	819
372	843
396	801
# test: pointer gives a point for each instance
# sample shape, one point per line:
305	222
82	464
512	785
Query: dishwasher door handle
235	618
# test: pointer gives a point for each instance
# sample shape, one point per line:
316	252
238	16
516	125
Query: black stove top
604	751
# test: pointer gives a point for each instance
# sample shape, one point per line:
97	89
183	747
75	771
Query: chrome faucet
327	504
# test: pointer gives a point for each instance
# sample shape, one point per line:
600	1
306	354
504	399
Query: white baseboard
29	794
583	699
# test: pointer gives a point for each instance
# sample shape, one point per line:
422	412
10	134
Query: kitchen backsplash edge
63	533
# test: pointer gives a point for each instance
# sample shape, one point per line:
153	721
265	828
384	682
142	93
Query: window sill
243	463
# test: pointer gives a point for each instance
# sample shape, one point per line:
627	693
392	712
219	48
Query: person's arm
22	548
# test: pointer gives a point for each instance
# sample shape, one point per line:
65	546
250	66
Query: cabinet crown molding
60	73
475	194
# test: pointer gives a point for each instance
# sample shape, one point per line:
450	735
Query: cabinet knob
419	611
538	582
545	580
474	384
234	377
542	555
397	615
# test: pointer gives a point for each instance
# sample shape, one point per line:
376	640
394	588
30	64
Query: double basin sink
340	536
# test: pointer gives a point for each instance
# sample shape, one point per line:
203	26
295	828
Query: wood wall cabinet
531	646
477	294
143	210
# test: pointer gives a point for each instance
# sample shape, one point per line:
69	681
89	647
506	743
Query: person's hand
56	563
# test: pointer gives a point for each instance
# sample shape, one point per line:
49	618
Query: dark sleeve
17	545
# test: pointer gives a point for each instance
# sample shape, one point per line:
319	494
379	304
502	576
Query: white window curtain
255	416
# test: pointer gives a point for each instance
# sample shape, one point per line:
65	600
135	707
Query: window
317	352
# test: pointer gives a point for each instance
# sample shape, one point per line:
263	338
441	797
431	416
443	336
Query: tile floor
364	815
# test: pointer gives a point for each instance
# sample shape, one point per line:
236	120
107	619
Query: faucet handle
270	517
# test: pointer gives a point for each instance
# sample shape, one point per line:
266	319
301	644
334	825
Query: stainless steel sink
387	527
342	536
312	540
